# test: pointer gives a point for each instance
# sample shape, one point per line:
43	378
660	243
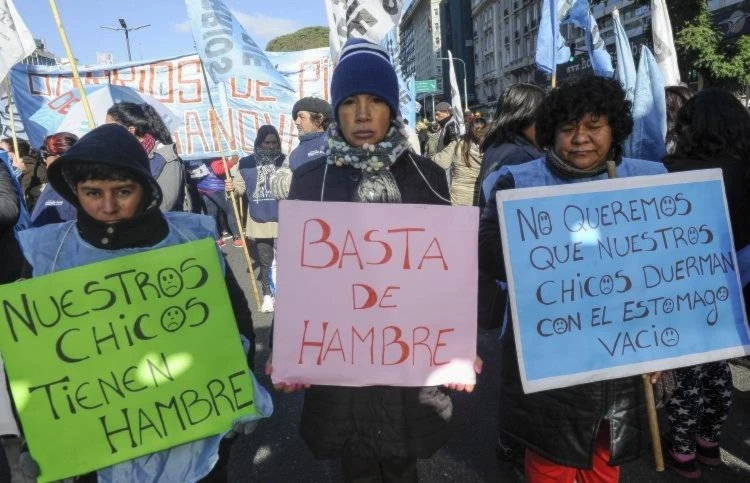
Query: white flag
16	42
458	110
664	51
366	19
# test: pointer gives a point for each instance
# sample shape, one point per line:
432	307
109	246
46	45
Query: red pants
542	470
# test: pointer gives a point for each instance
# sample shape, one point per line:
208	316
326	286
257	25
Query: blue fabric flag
649	111
625	70
225	48
550	44
580	16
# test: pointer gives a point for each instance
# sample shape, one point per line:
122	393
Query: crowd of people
122	188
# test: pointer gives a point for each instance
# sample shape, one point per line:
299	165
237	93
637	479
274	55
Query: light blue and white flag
625	70
252	86
550	44
225	48
649	111
580	16
406	86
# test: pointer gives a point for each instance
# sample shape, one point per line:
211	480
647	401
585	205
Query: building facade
41	56
420	42
457	25
505	33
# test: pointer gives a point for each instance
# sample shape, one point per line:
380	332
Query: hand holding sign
639	274
123	358
399	300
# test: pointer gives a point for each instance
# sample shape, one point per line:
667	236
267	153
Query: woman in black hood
106	176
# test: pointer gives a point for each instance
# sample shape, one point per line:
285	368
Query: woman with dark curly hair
582	432
711	131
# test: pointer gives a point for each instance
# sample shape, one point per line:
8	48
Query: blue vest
310	148
538	173
262	205
52	208
59	246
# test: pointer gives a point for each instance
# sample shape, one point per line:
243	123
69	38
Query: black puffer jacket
378	421
448	133
11	259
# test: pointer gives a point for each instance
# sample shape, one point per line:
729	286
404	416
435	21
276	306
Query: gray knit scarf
377	184
565	170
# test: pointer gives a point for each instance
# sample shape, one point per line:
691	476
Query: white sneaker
267	306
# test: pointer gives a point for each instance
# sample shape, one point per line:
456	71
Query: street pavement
275	452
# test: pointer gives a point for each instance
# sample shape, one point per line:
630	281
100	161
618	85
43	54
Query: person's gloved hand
29	466
243	425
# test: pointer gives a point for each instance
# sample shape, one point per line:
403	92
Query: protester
106	176
28	168
433	136
710	131
146	124
312	117
511	138
209	178
448	125
253	177
422	128
51	207
34	179
377	432
582	432
676	97
464	159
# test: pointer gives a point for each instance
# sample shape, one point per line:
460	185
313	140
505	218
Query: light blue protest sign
621	277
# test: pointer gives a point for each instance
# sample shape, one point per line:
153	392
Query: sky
169	34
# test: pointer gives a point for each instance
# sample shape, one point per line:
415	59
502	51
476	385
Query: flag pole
653	424
232	195
12	120
73	66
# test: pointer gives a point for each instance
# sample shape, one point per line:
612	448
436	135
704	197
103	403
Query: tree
701	46
303	39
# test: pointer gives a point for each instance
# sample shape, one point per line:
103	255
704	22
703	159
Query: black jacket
496	156
376	421
11	259
448	132
735	173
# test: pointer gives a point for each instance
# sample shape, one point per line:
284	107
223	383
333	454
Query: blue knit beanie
364	68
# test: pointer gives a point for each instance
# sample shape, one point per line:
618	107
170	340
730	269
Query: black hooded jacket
112	145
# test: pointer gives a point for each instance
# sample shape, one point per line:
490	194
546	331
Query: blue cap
364	68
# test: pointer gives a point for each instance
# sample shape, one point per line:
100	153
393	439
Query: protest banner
178	84
122	358
615	278
373	294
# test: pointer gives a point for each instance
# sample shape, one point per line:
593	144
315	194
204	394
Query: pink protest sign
375	294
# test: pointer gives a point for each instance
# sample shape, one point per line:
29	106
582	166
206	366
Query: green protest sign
118	359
